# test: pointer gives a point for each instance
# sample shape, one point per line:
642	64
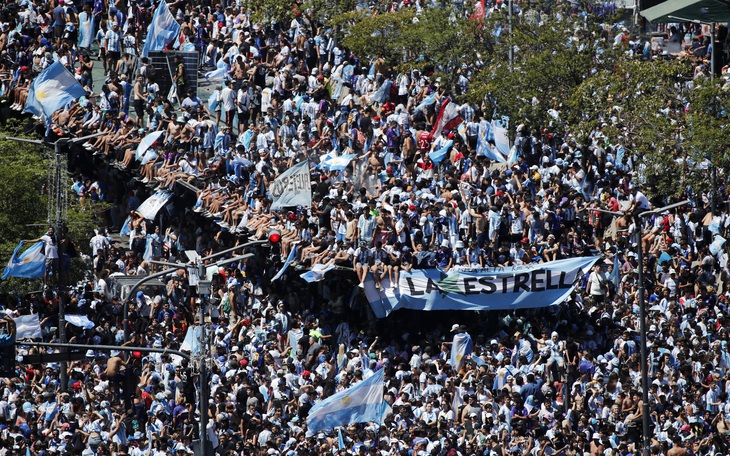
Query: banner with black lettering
463	288
292	188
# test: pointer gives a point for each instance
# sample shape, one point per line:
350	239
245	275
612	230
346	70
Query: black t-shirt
324	218
366	125
259	77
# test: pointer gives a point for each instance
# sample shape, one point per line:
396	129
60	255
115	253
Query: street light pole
203	368
203	291
59	274
646	433
642	346
60	198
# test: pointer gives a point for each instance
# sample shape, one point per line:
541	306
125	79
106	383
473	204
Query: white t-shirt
595	282
51	249
228	99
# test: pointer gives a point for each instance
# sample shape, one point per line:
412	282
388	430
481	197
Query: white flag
292	188
28	327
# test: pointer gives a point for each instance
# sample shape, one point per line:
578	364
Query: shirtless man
174	127
114	372
678	449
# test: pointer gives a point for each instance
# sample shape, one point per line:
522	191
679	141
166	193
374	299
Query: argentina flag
483	146
53	89
501	138
162	30
362	403
30	264
289	259
460	348
437	156
337	163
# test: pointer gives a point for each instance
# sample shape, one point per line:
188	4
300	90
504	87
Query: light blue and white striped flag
460	348
615	274
28	327
30	264
383	92
162	30
478	361
53	89
289	259
340	440
220	72
126	227
362	403
246	139
337	163
483	146
317	273
191	342
429	100
501	138
438	155
82	321
294	336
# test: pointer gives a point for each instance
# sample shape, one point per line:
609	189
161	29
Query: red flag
480	11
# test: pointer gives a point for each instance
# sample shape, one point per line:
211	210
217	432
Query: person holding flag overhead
360	403
162	31
50	250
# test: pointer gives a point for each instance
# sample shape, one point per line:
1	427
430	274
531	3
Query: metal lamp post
59	192
203	290
646	432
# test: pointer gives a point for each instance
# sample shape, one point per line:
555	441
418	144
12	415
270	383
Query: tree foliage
434	39
24	209
550	61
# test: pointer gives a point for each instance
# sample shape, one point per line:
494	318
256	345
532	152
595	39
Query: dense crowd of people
558	380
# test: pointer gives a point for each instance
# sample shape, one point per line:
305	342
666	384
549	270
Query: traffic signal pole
104	348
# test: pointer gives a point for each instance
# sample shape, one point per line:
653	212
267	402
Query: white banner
153	204
518	287
28	327
292	188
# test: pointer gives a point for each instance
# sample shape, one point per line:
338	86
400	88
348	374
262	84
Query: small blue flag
438	155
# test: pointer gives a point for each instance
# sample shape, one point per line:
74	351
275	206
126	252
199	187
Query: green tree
24	210
435	38
641	104
23	207
549	64
704	141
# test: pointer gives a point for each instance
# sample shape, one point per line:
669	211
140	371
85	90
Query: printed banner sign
463	288
153	204
292	188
